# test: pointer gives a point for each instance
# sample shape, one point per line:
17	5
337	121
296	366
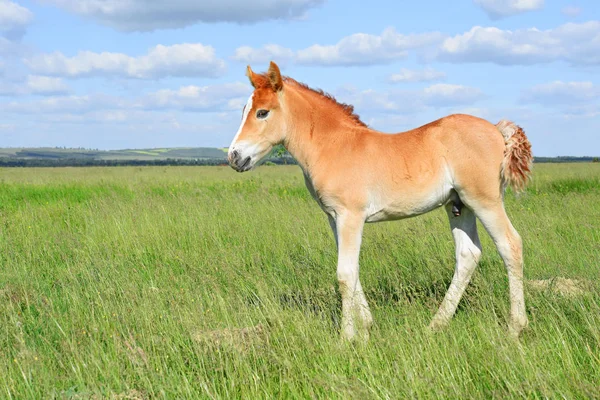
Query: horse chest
314	192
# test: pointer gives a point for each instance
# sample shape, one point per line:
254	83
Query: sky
115	74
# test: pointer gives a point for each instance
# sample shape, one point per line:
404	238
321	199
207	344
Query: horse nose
234	157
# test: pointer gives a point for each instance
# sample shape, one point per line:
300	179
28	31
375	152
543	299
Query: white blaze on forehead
244	116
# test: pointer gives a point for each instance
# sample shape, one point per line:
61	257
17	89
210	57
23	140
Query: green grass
203	283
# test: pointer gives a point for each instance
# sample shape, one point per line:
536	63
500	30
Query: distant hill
50	153
62	157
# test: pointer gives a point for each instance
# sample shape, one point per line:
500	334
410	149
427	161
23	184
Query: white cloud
578	44
207	99
196	98
559	92
410	101
186	59
263	55
425	75
497	9
575	43
72	104
36	84
571	11
148	15
366	49
104	116
13	16
13	22
356	49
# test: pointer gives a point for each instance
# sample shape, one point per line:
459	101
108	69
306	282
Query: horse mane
347	109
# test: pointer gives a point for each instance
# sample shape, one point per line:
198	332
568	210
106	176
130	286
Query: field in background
51	153
198	282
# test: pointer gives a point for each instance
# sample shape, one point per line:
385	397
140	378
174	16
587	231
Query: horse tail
516	165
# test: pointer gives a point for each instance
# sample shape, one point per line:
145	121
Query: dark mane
347	109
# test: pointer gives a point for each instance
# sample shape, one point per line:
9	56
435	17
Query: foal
359	175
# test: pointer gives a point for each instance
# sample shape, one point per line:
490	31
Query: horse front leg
348	228
361	306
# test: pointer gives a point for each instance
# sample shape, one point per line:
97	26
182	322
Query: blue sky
114	74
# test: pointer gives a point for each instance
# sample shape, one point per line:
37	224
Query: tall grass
174	282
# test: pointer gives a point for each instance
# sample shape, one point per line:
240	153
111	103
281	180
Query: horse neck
315	127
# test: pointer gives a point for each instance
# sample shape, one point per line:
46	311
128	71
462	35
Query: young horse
359	175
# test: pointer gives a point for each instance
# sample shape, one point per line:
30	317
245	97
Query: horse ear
275	77
252	76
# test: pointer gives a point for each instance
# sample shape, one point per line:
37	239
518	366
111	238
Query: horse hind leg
509	245
468	253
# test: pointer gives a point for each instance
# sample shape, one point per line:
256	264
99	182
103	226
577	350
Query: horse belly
409	205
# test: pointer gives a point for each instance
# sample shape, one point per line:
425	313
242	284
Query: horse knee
469	254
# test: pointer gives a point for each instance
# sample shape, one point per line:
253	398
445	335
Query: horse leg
361	306
349	229
468	253
510	247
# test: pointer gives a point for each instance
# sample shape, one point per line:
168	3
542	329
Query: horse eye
262	114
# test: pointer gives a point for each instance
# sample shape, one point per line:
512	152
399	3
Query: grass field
202	283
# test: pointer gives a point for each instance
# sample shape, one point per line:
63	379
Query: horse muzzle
238	162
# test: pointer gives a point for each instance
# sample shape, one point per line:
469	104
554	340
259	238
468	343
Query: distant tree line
564	159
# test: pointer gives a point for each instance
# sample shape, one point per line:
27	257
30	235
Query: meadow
198	282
